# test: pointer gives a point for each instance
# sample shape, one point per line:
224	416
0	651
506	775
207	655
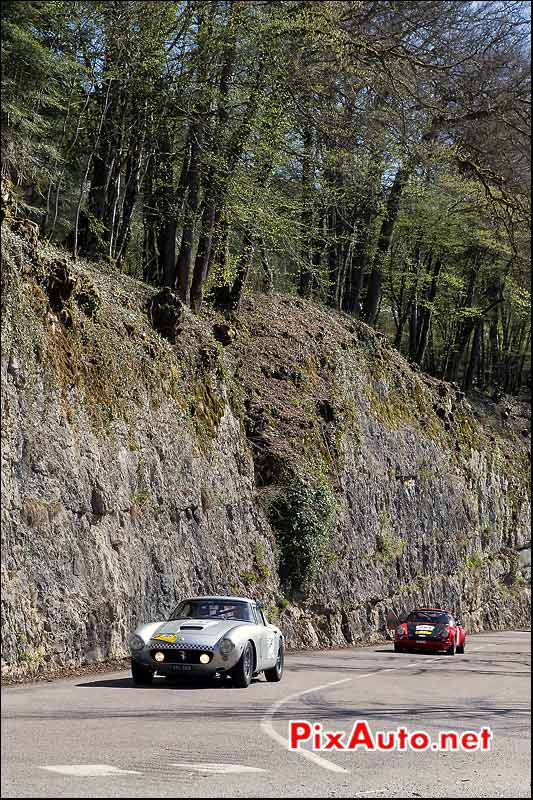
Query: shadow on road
162	683
501	662
409	652
513	719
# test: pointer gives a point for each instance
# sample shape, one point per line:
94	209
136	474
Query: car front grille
180	656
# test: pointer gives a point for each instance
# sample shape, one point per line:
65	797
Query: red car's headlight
401	631
445	634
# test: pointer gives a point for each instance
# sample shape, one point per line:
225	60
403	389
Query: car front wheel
241	674
274	674
461	648
141	675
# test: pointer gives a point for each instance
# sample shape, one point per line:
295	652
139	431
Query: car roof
444	610
219	597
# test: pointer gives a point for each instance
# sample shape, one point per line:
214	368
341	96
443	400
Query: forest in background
372	156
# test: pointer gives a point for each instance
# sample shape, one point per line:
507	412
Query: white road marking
217	768
107	770
269	729
89	770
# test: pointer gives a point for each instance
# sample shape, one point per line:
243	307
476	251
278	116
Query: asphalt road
102	737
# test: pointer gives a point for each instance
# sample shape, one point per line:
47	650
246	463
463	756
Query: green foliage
34	78
262	136
514	588
142	496
206	408
450	219
260	571
303	516
388	547
408	588
426	474
261	565
248	578
275	612
476	561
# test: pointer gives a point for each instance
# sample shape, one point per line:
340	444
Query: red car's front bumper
431	645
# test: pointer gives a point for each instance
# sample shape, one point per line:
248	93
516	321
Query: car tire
142	676
461	648
398	648
274	674
451	650
241	674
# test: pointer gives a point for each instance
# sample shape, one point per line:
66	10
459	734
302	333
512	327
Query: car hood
195	630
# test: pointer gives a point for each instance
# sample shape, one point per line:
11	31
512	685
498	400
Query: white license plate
180	667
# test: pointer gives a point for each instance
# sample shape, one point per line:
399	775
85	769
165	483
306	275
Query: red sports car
430	629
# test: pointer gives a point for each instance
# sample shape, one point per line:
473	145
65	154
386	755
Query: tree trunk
427	314
203	254
98	227
184	263
373	294
159	216
306	282
213	188
165	202
474	358
131	191
150	224
230	296
359	262
214	238
267	271
464	331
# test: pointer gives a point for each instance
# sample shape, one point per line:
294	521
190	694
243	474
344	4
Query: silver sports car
209	635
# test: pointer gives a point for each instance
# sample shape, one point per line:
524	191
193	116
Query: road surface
99	736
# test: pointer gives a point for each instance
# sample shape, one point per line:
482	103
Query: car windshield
435	617
213	609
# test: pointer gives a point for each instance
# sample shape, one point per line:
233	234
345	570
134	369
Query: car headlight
445	634
226	646
136	642
205	658
400	631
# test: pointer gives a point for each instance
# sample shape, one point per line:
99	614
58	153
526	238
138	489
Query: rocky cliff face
284	452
